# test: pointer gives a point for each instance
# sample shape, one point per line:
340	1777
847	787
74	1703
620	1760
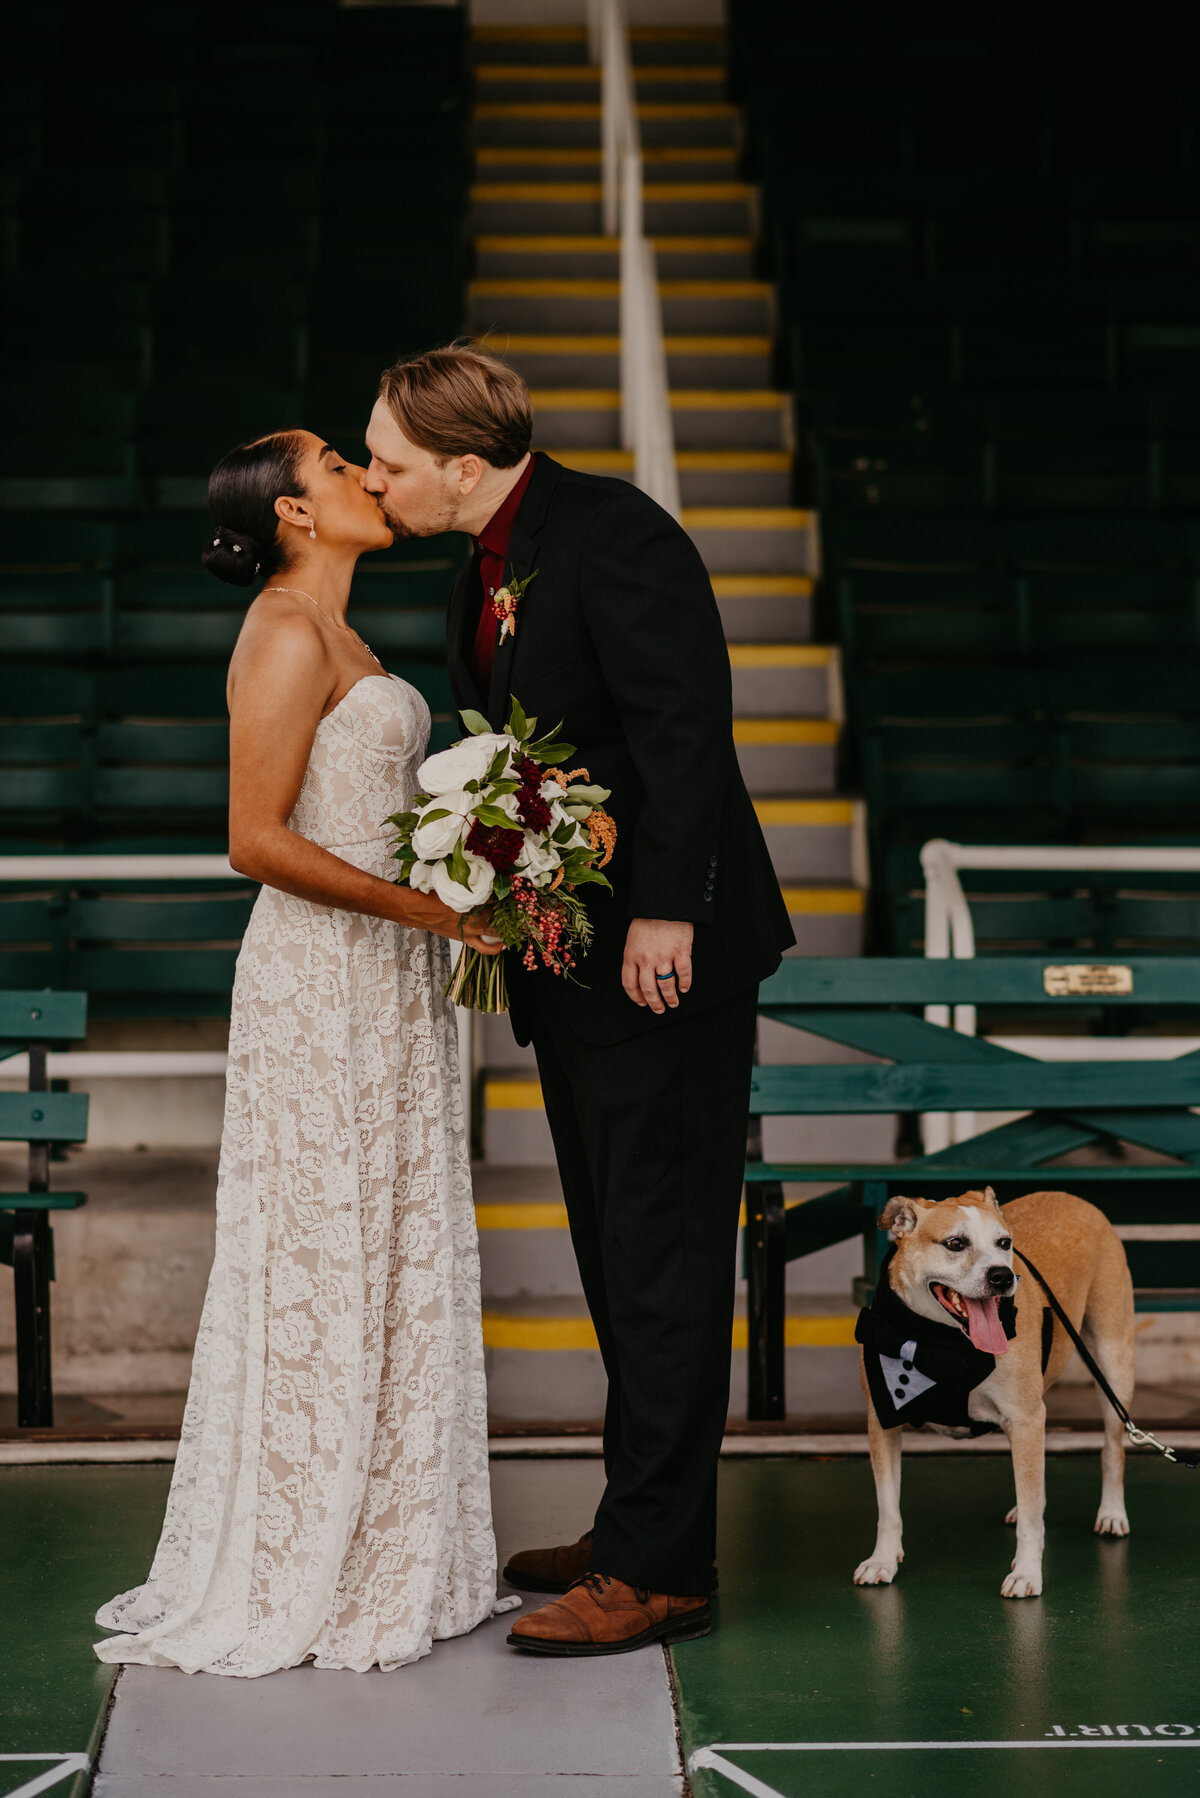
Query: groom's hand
657	946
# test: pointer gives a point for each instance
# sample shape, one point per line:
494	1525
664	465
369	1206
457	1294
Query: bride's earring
312	531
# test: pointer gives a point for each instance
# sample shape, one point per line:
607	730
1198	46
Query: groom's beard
445	519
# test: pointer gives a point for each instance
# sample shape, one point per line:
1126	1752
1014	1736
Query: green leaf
582	812
432	817
475	722
550	734
456	863
547	752
498	787
492	816
472	786
499	764
563	834
518	723
584	795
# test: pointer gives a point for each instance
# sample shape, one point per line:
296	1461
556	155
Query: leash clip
1137	1437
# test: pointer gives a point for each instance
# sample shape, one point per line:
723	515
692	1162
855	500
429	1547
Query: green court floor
70	1537
801	1655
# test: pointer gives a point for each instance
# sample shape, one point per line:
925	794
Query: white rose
438	837
451	769
537	861
434	877
480	878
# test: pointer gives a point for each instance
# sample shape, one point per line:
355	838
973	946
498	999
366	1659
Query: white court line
715	1761
65	1764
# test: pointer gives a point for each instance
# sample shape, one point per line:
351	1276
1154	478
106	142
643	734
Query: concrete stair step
543	1365
814	838
593	360
545	121
597	258
669	83
787	755
777	680
706	477
589	418
567	44
757	608
721	208
528	304
581	162
753	540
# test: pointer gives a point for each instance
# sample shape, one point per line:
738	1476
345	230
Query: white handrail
646	426
950	930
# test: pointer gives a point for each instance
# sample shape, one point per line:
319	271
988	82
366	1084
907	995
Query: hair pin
216	543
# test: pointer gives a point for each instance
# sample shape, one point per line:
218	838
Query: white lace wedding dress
330	1499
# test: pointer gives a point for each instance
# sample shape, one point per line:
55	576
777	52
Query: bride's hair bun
244	543
232	556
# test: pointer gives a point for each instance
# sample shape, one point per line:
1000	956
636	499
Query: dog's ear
989	1193
900	1216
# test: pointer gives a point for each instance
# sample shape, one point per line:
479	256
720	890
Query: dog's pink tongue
983	1321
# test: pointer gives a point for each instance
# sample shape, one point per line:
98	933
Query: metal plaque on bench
1087	979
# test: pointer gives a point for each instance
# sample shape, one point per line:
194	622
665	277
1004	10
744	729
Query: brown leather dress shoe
600	1615
557	1569
549	1569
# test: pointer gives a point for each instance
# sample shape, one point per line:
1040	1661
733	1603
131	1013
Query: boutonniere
504	604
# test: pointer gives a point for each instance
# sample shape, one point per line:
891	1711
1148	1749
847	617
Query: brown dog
953	1265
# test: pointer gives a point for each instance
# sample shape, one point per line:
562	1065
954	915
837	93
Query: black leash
1135	1435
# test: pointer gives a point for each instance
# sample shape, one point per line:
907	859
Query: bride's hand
425	911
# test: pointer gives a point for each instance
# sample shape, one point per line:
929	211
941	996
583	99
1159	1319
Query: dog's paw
1012	1515
875	1572
1022	1585
1112	1522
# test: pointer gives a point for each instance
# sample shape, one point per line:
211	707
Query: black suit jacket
620	637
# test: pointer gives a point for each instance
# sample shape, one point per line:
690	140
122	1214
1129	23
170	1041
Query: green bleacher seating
874	1006
33	1022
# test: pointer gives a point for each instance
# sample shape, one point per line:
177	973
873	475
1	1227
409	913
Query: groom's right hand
425	911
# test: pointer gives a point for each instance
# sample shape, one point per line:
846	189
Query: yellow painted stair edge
809	731
500	1331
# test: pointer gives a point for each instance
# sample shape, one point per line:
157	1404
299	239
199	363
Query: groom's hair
458	402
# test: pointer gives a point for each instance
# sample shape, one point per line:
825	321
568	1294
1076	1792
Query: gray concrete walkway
472	1720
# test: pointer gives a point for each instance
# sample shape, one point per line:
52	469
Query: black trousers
650	1136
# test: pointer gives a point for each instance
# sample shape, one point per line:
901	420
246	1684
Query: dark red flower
532	809
495	845
528	772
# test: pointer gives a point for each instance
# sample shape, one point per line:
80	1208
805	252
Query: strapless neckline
361	681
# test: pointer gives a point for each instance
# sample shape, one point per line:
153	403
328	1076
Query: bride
330	1501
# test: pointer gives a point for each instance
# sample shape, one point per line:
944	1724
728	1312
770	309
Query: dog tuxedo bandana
919	1371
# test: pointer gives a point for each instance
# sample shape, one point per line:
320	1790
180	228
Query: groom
645	1062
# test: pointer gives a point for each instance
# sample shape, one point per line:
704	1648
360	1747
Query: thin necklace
337	624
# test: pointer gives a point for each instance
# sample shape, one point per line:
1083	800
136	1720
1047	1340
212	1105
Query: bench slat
990	980
43	1117
31	1015
42	1201
1017	1086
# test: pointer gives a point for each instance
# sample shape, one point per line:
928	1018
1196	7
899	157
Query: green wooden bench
35	1022
876	1006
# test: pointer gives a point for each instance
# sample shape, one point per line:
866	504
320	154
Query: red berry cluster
494	844
544	927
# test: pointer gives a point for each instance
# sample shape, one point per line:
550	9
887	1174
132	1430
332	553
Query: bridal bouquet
497	823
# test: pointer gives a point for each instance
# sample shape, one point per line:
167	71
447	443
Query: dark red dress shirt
491	551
